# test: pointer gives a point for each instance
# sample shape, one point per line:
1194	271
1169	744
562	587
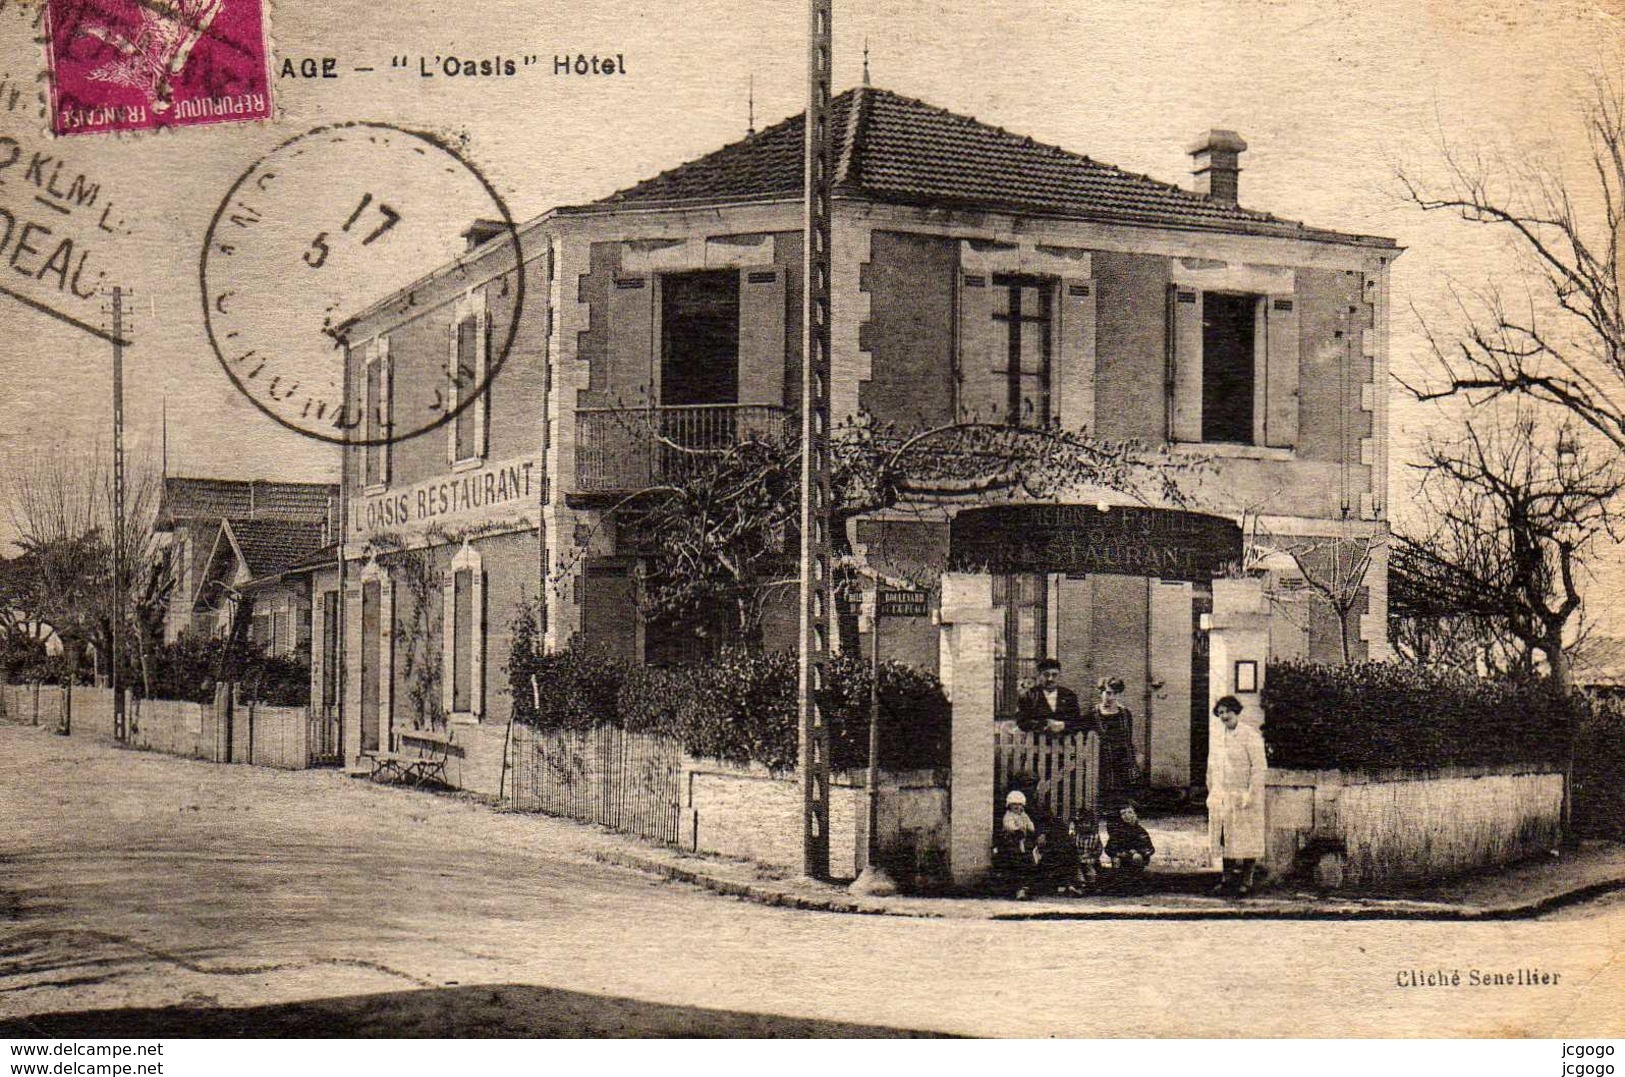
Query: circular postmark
325	226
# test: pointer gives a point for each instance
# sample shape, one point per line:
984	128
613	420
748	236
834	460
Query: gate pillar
966	661
1238	648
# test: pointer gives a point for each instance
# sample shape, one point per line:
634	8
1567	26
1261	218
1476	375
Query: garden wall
1357	830
174	727
750	812
91	708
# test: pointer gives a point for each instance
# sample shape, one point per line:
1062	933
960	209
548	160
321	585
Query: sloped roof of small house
895	149
266	548
244	499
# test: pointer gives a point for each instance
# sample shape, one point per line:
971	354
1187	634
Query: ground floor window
1021	638
463	636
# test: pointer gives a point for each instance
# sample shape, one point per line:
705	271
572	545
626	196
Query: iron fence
623	450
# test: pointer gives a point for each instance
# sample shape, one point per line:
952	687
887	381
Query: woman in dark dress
1119	767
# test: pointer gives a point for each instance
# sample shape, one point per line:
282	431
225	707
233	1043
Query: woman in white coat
1235	801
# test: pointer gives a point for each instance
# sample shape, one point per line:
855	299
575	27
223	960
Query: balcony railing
623	450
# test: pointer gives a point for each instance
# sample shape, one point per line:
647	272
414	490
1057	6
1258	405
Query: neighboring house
978	275
261	569
190	514
1599	666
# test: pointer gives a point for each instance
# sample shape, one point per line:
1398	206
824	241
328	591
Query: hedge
1599	770
740	708
1379	715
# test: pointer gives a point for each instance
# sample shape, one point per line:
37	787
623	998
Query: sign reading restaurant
1127	540
495	493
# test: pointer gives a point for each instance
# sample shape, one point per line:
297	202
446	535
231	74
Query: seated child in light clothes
1019	847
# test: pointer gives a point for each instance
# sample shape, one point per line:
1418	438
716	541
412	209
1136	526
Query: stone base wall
1356	830
750	812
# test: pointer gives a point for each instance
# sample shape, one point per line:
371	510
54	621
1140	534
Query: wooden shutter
761	336
386	383
983	350
482	408
1281	371
631	339
1074	375
1185	338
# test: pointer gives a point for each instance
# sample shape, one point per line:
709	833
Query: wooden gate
322	737
631	782
1062	773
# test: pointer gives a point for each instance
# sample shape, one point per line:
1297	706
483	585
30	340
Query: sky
1331	97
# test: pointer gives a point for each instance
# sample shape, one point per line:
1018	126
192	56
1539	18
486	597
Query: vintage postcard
864	518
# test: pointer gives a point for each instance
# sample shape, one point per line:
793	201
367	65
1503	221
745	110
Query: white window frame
467	559
469	306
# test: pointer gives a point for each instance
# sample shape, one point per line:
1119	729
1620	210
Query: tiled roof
270	546
1600	662
255	499
891	148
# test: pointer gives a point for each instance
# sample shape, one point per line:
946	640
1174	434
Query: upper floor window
1021	316
377	403
470	353
1006	354
1229	346
699	338
1232	367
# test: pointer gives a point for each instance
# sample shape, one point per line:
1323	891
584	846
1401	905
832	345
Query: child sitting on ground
1019	849
1083	840
1128	846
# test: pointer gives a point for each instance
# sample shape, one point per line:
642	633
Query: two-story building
978	276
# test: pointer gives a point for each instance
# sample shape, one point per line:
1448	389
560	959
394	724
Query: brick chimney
1216	158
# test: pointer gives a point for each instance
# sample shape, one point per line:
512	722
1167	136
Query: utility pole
120	729
817	576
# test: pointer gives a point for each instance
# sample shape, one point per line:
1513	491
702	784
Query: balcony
624	450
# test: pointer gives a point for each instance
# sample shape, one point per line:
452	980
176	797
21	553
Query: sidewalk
1522	891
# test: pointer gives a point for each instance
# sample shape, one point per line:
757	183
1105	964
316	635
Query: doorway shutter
761	336
1281	372
631	340
982	352
1074	390
1185	347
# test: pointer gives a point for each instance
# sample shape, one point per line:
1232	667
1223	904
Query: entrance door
1201	606
371	681
1168	653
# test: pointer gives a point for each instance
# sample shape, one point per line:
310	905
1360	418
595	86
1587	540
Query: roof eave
1268	229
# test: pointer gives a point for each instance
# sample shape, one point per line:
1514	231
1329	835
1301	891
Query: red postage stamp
131	65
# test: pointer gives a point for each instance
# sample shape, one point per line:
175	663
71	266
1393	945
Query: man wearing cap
1048	706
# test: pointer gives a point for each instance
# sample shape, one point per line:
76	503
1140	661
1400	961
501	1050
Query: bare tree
1335	572
62	510
1511	521
1561	342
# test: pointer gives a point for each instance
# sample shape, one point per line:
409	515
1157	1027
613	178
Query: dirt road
144	895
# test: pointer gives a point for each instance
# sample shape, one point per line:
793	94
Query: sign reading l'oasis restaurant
495	494
1123	540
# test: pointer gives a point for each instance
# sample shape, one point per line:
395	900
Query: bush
1377	715
1599	770
740	708
186	669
